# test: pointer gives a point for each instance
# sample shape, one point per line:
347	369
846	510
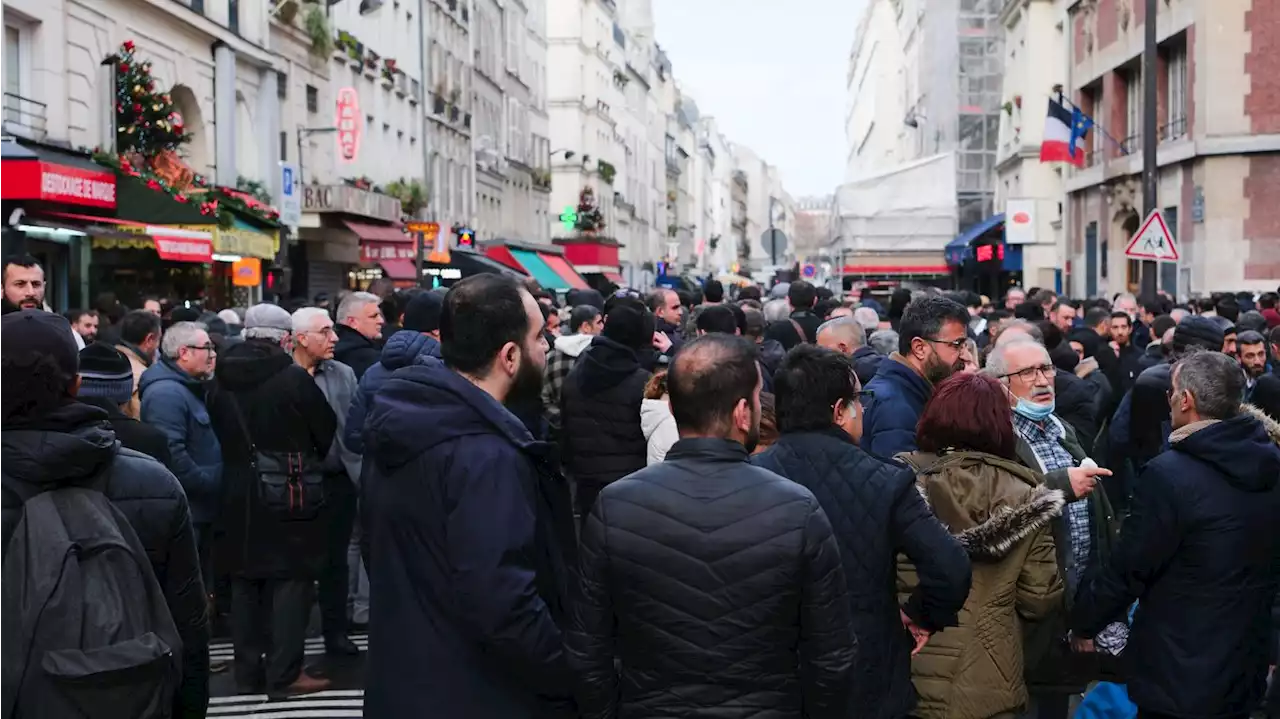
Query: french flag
1063	131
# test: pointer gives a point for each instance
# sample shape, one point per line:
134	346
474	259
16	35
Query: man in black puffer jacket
876	513
711	588
600	402
49	440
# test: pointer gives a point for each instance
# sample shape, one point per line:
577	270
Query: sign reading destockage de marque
350	124
350	200
53	182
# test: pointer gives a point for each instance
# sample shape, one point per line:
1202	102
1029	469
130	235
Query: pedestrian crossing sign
1153	241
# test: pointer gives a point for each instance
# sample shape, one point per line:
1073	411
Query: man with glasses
1083	534
174	393
931	347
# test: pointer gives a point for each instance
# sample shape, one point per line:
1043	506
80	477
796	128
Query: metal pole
300	131
773	241
417	254
1150	139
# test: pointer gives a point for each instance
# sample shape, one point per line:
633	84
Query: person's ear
838	413
510	357
73	389
742	415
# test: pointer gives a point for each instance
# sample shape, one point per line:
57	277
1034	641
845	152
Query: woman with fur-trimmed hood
968	471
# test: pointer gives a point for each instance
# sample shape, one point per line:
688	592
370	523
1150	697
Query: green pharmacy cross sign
569	217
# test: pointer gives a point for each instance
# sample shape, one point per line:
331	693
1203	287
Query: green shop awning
539	270
138	203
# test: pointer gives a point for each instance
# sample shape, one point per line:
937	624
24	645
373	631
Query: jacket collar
708	449
136	351
824	435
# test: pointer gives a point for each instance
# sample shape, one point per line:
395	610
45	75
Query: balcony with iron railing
24	117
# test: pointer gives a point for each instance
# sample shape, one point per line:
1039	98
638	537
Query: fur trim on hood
1007	526
1273	427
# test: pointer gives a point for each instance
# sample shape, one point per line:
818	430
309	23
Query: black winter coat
135	435
471	537
712	589
355	350
1199	553
877	513
600	412
283	410
1076	402
71	445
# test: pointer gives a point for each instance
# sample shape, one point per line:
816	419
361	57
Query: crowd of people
674	504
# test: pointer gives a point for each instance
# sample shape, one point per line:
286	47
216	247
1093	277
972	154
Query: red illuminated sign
987	253
51	182
350	124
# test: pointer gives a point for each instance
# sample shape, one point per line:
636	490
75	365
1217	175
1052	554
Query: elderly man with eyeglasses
1083	533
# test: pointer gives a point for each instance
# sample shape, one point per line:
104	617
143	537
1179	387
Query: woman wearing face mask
968	471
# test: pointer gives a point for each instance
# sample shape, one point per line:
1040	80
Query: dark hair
1162	324
137	325
657	299
1029	310
73	316
481	314
750	292
768	420
802	295
1228	307
1252	320
998	315
1120	314
23	260
1155	307
824	293
898	302
1044	297
824	308
807	386
1050	335
714	291
1268	300
581	314
968	411
740	317
1250	337
925	317
1275	335
717	318
1097	316
707	379
755	322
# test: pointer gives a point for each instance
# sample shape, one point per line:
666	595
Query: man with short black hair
1197	554
931	345
717	318
24	284
85	324
140	334
667	625
802	296
1063	316
50	441
714	292
1157	350
1128	354
1253	358
585	322
877	515
471	530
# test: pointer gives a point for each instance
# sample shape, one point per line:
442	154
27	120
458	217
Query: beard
526	386
935	370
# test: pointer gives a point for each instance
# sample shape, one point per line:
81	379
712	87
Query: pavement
345	698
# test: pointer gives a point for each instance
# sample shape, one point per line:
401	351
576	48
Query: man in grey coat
314	340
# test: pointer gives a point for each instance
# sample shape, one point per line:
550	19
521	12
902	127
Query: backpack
87	630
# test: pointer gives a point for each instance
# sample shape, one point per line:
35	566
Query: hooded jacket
174	403
72	444
898	400
471	537
1198	553
283	410
601	438
355	350
1001	515
866	362
710	589
403	349
876	514
771	354
560	362
659	428
135	435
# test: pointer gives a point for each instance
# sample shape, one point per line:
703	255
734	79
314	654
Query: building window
1133	110
233	16
282	85
284	147
313	99
1176	122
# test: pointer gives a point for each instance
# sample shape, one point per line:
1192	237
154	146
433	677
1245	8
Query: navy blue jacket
468	521
876	513
866	362
174	403
1199	553
889	422
404	348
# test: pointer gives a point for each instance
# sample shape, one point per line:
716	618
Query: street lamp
568	154
305	132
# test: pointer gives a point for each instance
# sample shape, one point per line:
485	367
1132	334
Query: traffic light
276	280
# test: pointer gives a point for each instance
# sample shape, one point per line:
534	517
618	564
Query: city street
345	699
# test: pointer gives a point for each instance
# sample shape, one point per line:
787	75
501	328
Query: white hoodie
659	428
573	345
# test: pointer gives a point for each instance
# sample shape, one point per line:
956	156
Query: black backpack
87	630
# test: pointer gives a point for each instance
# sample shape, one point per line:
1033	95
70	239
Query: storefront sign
371	253
245	242
183	249
1020	222
246	272
350	125
352	201
52	182
444	273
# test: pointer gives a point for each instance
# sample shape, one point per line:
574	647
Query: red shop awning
29	179
377	233
615	278
896	270
562	268
398	269
171	243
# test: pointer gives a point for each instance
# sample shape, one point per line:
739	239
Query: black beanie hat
36	332
105	372
1197	331
630	326
423	312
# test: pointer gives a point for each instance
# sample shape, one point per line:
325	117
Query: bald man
846	336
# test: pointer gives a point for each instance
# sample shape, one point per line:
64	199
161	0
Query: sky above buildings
772	74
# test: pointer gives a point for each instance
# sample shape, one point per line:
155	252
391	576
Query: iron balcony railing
25	117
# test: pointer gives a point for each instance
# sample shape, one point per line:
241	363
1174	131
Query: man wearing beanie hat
601	439
51	442
417	344
106	382
1142	423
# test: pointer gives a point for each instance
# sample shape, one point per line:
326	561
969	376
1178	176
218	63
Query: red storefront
596	258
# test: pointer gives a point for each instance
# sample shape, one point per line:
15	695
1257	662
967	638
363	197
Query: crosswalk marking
331	704
225	651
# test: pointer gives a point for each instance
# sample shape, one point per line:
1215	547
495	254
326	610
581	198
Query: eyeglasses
955	344
1029	374
208	348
